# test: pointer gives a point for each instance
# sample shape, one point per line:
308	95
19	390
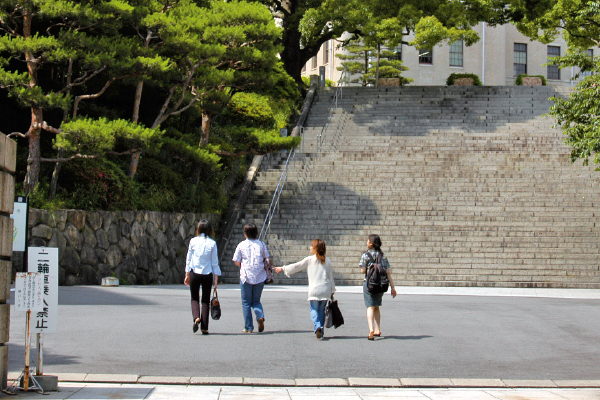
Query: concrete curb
324	382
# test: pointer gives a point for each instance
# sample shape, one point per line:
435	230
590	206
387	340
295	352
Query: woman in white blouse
202	270
320	282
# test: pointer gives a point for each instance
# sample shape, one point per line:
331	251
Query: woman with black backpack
374	264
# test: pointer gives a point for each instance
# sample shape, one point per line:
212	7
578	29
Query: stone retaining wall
8	157
138	247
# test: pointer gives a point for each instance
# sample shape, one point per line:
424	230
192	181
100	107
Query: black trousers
204	281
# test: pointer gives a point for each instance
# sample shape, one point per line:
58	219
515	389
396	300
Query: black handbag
333	315
215	306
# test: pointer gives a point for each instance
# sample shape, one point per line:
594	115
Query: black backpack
377	279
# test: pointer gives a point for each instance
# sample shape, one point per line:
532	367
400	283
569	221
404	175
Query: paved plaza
445	343
81	391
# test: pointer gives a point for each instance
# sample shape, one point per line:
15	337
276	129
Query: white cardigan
320	276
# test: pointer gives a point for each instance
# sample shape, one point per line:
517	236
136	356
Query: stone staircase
467	186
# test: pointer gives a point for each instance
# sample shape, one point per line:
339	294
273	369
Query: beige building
497	58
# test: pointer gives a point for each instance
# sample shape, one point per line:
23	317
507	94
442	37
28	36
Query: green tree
357	61
385	22
579	118
213	52
50	52
578	21
579	115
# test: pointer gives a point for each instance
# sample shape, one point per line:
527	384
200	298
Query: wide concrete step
466	186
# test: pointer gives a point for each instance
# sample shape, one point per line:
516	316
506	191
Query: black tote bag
333	315
215	306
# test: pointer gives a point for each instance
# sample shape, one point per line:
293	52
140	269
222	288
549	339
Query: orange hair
320	248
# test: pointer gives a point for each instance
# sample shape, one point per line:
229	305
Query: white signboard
45	261
19	216
29	293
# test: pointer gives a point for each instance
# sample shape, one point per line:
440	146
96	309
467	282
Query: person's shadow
414	337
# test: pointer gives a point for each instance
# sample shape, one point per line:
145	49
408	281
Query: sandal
377	334
371	334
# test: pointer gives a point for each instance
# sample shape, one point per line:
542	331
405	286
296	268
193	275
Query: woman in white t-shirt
250	256
320	282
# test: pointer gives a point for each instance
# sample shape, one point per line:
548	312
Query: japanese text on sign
28	291
44	260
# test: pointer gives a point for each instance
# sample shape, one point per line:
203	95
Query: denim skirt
371	299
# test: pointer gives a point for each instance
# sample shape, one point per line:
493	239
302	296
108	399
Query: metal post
27	348
322	76
40	361
483	56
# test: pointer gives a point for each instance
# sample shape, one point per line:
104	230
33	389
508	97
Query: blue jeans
251	301
317	314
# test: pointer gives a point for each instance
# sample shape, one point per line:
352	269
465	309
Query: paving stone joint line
447	383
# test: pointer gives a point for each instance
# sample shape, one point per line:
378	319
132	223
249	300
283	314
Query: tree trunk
136	102
135	157
37	116
58	165
133	165
33	160
292	56
55	174
206	120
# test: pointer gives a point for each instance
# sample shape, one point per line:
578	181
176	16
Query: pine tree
359	65
51	52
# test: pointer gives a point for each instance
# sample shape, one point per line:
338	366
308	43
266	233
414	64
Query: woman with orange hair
320	282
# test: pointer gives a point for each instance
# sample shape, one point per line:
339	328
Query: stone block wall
138	247
8	157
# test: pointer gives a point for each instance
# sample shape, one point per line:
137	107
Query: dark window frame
398	53
552	71
519	52
455	57
424	58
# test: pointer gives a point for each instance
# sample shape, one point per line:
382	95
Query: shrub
251	109
158	186
519	80
455	76
328	83
95	184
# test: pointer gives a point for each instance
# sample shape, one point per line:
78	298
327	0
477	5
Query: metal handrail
264	231
275	201
338	94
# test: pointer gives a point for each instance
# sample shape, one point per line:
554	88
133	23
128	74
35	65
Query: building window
426	56
456	54
553	72
314	62
590	54
520	59
304	68
397	53
326	52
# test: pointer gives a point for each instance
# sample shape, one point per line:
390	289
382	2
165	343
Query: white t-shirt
251	253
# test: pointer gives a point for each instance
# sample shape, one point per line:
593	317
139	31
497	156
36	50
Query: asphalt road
147	330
